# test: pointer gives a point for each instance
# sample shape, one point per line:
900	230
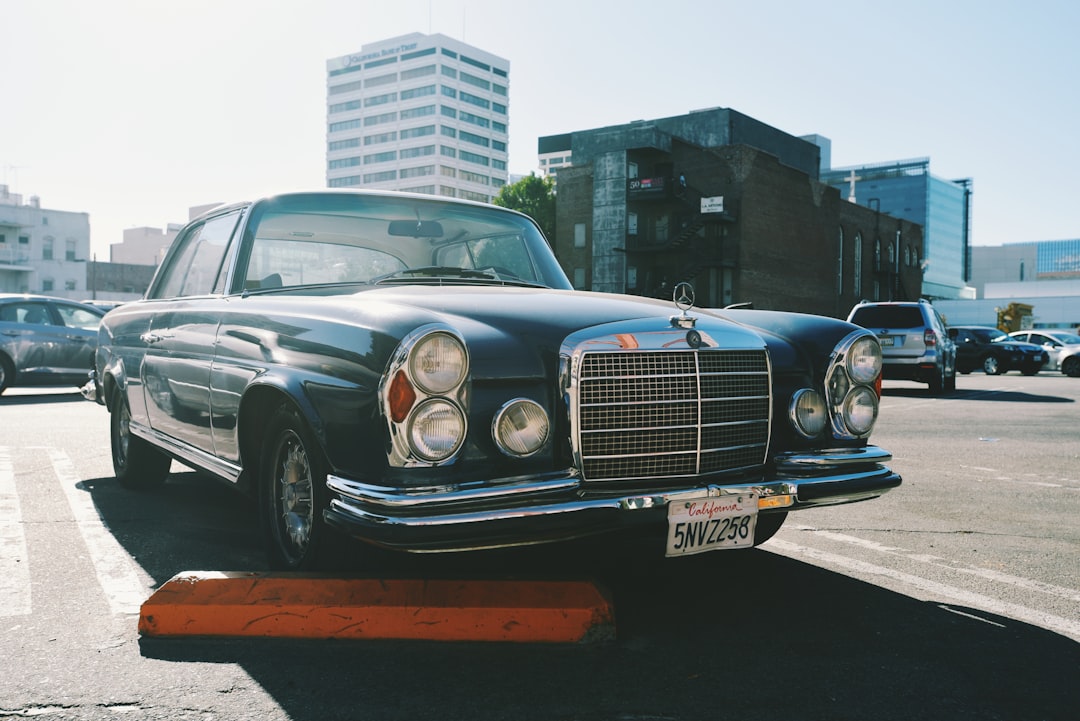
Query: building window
474	138
473	158
46	284
379	119
381	80
470	195
47	249
579	235
417	72
69	250
377	158
579	278
418	172
343	163
69	285
475	177
417	152
24	240
418	132
380	99
417	112
380	177
475	100
417	92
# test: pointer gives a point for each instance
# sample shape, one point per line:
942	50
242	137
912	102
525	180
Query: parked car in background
994	352
45	341
418	373
916	345
1063	348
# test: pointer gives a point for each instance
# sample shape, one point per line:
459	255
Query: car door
1052	346
76	336
33	338
180	340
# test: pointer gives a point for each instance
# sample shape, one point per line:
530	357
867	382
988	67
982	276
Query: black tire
7	373
136	464
767	526
937	383
950	382
1071	367
292	495
991	366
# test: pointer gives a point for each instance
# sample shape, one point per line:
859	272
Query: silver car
1064	348
46	341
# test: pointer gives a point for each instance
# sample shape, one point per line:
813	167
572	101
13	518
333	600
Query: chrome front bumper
519	511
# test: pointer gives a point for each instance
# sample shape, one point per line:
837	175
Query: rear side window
888	316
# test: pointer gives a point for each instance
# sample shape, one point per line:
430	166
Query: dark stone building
731	205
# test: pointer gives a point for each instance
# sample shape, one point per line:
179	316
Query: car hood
521	331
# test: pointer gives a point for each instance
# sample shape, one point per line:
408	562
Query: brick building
644	206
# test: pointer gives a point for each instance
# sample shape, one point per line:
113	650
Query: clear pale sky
135	110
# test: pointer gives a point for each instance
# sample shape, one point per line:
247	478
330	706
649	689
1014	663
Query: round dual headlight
436	429
438	363
520	428
863	360
860	410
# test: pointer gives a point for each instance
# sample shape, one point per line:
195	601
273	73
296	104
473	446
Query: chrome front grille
664	414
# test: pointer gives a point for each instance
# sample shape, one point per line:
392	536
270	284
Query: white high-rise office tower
423	113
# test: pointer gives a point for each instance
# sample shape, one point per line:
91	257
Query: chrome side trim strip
186	454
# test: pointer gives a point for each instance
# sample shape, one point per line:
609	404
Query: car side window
29	313
195	267
76	317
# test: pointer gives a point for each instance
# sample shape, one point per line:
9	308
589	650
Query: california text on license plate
696	525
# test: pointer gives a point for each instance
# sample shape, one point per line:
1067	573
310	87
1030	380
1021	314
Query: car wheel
937	383
136	464
292	494
991	366
767	526
1071	366
7	373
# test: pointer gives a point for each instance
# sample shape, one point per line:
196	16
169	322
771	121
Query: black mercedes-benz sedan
419	373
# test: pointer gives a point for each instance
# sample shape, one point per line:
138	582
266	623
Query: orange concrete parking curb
211	603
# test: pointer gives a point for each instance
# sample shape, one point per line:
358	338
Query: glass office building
906	189
420	113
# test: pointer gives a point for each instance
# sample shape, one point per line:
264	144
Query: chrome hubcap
295	493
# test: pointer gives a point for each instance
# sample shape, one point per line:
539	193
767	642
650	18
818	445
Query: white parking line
116	573
937	591
1069	594
14	560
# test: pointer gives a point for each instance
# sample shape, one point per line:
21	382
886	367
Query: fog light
520	428
807	412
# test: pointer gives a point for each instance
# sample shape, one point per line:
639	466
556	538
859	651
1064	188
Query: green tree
533	196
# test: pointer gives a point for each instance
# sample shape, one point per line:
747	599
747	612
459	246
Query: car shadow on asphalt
747	635
976	394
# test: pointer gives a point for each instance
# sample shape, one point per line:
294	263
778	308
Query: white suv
916	345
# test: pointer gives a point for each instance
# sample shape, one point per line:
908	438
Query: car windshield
323	239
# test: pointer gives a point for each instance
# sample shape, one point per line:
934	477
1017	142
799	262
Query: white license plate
697	525
886	340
